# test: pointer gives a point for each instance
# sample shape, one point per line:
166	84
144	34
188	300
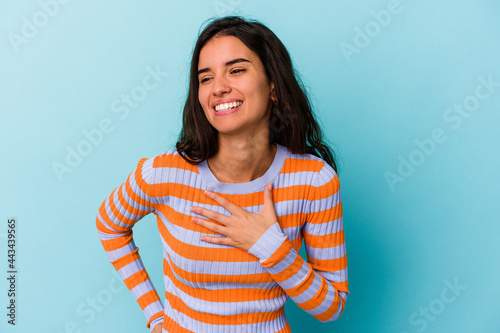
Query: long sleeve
318	286
127	204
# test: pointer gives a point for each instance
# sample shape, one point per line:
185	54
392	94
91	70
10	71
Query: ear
273	93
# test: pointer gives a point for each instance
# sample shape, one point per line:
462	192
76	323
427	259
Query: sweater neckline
239	188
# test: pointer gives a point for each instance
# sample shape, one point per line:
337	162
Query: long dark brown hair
292	123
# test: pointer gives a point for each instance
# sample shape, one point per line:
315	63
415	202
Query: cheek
256	92
203	99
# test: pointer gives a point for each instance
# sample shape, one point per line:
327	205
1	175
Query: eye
203	80
238	70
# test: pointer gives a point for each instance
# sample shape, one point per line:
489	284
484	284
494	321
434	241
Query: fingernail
208	193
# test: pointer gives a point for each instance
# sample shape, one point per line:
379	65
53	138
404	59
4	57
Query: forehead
222	49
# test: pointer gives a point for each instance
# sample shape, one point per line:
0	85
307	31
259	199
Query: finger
231	207
217	240
209	214
209	225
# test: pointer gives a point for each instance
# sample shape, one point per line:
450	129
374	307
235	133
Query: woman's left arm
318	285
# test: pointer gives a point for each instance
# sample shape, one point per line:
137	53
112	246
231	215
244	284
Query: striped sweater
220	288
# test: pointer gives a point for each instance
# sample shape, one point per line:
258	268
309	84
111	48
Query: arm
127	204
318	286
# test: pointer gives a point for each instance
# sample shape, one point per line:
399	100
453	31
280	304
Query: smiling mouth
227	106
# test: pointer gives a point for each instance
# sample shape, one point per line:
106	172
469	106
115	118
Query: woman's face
233	87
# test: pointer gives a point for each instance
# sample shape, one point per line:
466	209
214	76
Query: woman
249	180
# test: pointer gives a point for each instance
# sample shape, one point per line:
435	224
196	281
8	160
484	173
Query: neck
241	160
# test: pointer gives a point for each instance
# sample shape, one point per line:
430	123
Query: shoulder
155	168
319	171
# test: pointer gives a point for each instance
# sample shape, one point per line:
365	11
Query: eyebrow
229	63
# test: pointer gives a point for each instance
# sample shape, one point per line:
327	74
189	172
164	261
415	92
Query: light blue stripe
335	276
327	253
325	228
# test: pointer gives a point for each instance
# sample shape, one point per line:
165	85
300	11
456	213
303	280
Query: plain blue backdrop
407	91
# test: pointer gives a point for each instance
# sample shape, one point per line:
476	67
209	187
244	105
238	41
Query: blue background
408	238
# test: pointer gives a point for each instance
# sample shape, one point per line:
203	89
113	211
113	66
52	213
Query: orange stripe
116	243
341	286
148	298
126	259
327	215
293	165
292	220
325	241
135	279
327	265
173	161
208	318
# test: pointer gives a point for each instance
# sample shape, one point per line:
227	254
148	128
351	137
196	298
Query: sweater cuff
155	322
270	241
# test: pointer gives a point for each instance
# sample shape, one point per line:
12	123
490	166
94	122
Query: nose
220	85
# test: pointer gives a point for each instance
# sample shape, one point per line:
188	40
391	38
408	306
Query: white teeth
227	106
